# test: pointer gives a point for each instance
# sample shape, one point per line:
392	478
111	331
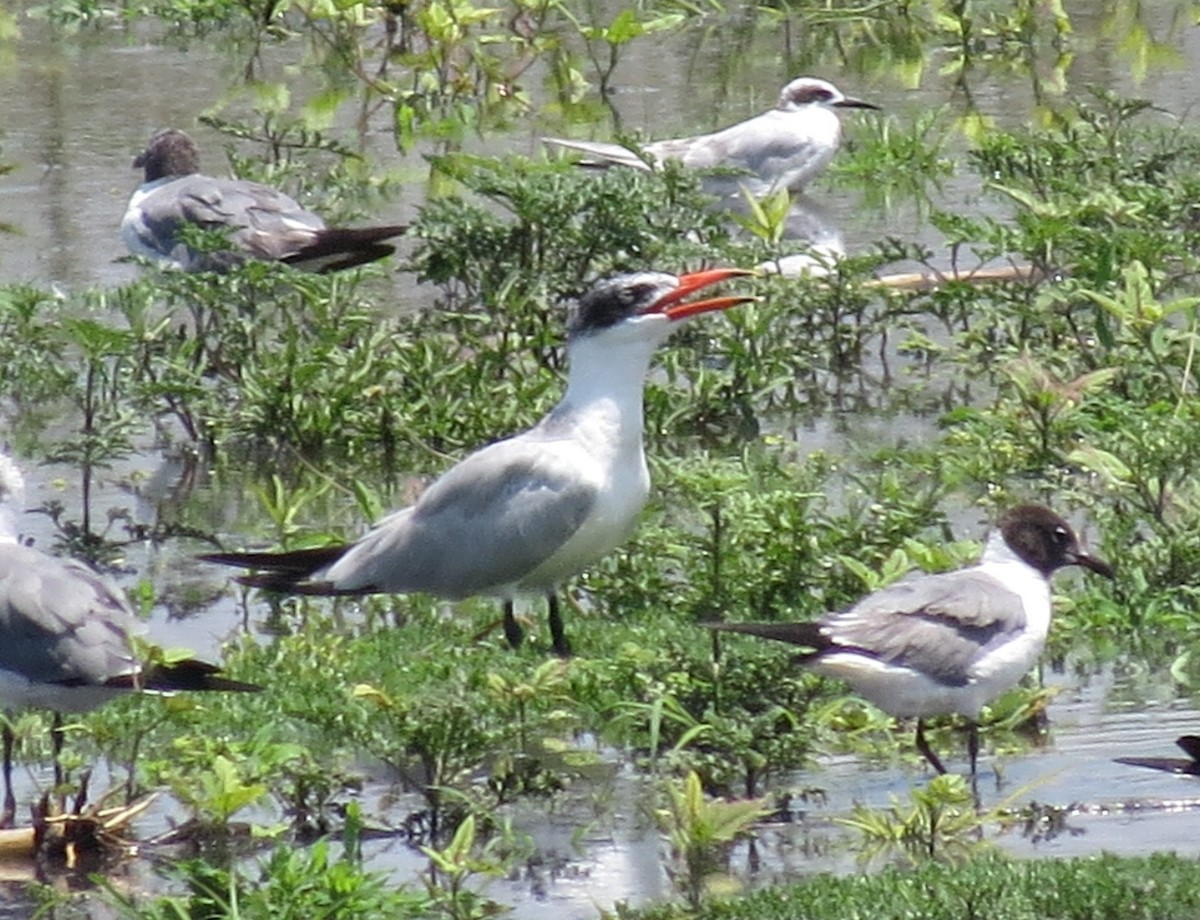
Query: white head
810	92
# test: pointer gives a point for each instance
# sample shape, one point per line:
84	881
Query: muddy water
78	106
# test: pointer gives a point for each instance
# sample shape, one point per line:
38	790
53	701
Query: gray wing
490	521
937	624
60	622
600	153
768	146
265	222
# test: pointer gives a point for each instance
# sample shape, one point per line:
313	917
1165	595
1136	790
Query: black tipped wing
284	572
188	675
340	248
939	625
805	634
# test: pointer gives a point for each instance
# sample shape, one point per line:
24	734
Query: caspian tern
785	147
950	642
523	514
262	222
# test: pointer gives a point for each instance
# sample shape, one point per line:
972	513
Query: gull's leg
926	750
558	637
512	629
973	745
10	801
56	744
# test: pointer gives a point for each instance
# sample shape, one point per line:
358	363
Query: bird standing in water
522	515
950	642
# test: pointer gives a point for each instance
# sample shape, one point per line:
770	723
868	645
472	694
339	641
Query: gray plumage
261	222
936	625
61	626
522	515
785	147
949	642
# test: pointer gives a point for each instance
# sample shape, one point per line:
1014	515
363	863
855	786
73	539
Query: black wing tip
340	248
284	568
293	583
192	674
805	634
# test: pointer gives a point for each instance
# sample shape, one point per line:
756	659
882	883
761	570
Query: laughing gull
261	222
523	514
950	642
785	147
65	637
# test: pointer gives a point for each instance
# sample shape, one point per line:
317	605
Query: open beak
671	304
1099	566
851	103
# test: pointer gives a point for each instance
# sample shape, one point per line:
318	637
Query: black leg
56	744
926	750
973	745
10	801
558	637
512	629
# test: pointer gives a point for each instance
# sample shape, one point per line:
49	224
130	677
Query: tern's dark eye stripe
807	94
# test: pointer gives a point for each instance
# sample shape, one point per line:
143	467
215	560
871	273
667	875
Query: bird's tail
285	572
601	155
338	248
806	634
191	674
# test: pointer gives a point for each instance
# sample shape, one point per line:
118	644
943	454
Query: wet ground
78	106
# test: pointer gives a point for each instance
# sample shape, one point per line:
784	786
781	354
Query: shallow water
79	106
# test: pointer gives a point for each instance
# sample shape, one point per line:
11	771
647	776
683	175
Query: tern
262	222
951	642
66	637
523	514
783	148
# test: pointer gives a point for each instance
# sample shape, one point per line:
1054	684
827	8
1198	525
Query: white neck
609	372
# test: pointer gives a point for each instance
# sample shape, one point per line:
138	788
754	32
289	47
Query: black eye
1062	536
811	94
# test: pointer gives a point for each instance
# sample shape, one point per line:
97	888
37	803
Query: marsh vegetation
295	409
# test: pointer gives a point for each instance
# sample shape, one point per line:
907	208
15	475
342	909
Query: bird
783	148
940	644
66	638
261	222
523	514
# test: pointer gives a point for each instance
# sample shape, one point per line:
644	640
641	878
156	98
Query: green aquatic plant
699	829
991	884
452	868
290	883
940	820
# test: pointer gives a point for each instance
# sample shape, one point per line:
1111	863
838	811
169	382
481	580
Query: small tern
65	637
523	514
262	222
950	642
783	148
